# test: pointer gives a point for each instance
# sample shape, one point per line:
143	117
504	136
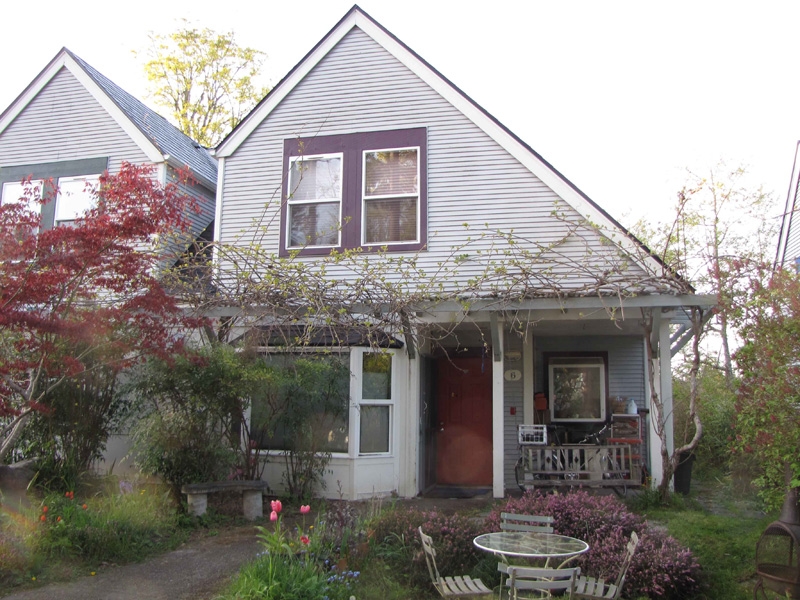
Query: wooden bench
252	496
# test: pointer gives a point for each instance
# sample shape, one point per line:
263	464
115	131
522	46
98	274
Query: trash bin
682	479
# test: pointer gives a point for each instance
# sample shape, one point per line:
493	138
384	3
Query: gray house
364	146
72	123
788	253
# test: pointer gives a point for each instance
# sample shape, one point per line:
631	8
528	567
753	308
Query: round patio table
532	545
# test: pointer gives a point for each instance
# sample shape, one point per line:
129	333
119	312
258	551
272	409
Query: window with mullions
391	196
315	200
359	190
376	403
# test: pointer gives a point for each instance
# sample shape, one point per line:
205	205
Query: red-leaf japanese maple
76	296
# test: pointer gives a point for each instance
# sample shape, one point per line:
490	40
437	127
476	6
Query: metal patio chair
461	585
542	582
515	522
589	587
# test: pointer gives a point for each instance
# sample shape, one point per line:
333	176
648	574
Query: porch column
498	392
662	366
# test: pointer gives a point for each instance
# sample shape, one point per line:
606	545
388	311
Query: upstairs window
360	190
315	201
30	193
76	196
391	196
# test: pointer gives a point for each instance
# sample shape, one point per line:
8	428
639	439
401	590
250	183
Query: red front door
464	421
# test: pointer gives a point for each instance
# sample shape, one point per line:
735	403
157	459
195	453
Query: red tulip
304	539
305	509
273	516
276	506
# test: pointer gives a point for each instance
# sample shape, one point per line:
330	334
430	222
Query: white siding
360	87
64	122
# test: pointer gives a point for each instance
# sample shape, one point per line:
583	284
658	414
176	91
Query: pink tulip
304	539
273	516
276	506
305	509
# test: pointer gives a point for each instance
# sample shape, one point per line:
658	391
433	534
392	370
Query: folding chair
589	587
541	581
463	586
515	522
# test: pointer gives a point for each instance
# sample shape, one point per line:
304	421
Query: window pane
314	224
374	429
76	195
577	392
303	403
315	179
376	376
393	220
391	173
14	191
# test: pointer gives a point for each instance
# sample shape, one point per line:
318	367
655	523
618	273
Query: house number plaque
512	375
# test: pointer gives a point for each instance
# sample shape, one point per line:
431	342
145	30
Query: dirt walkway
199	569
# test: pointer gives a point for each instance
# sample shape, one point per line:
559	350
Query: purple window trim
352	146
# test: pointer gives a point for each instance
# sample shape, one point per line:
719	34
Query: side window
376	403
76	195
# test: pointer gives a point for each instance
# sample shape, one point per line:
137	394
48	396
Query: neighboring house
788	253
362	113
71	124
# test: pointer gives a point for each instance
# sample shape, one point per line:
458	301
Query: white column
662	369
498	393
527	380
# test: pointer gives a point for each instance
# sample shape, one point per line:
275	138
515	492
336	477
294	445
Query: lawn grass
721	528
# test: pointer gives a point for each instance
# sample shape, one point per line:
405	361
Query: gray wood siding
792	251
65	122
359	86
205	199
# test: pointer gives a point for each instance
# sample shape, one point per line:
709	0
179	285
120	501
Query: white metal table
531	545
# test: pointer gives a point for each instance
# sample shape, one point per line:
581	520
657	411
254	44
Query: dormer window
360	190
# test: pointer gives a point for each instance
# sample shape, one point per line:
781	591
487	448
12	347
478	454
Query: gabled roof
157	137
356	17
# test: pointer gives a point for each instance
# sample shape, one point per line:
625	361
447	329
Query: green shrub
115	528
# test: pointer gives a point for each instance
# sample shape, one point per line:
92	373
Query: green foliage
116	528
767	421
204	79
193	416
71	433
716	407
78	528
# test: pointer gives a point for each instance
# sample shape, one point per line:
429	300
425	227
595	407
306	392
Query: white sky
621	97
